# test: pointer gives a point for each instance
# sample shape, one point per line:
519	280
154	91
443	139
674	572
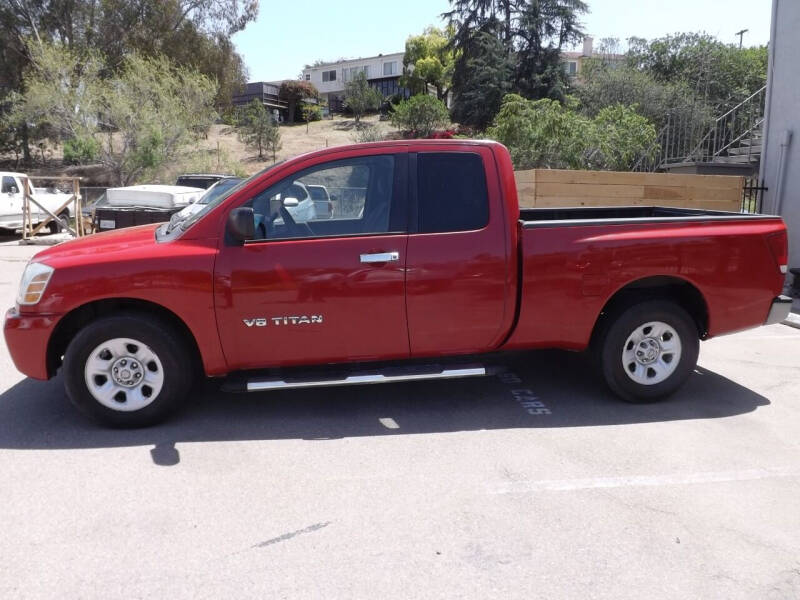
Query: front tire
648	350
130	370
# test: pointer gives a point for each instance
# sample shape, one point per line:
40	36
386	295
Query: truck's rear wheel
127	371
54	227
648	350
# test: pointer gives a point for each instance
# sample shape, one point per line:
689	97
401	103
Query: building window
389	68
328	76
571	67
350	74
308	76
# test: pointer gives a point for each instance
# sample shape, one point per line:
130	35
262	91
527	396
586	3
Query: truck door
316	289
457	264
11	194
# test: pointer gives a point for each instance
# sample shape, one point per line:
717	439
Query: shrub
311	112
420	115
80	151
369	133
544	133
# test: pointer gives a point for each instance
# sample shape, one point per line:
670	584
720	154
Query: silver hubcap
651	353
124	374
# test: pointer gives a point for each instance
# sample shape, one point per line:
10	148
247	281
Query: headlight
34	281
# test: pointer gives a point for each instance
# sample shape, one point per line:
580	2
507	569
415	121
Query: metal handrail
680	141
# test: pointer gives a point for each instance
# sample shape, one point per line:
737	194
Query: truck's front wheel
648	350
127	371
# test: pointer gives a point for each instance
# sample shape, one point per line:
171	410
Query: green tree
420	115
482	77
139	119
360	97
257	130
193	33
311	112
529	35
295	92
720	75
545	28
606	85
429	60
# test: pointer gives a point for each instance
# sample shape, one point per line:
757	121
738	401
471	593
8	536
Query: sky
286	37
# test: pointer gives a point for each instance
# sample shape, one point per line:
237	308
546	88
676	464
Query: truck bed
575	259
583	215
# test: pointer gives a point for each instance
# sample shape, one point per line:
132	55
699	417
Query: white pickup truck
11	203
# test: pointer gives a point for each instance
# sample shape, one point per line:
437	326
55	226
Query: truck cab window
347	197
451	192
9	185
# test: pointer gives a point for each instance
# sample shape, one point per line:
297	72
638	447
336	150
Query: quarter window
452	192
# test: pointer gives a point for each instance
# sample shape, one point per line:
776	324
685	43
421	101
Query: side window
346	197
9	185
452	192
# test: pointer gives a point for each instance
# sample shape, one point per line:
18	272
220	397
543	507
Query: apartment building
574	61
383	73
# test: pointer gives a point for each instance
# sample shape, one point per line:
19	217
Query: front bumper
27	337
779	311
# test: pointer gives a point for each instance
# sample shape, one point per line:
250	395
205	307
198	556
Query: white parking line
560	485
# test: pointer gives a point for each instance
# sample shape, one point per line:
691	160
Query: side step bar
389	375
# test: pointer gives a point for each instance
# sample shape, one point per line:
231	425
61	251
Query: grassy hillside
221	152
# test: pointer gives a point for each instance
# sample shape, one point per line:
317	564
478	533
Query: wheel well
680	291
79	317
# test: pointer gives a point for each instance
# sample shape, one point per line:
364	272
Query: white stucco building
383	73
780	161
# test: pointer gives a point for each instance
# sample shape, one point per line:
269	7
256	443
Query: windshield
219	188
212	203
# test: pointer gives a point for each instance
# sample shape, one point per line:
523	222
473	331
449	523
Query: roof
349	60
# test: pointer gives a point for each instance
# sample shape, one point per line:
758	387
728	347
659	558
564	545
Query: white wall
783	114
374	65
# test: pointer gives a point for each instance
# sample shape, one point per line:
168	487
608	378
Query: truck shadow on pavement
543	389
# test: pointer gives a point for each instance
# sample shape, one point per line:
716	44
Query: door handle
380	257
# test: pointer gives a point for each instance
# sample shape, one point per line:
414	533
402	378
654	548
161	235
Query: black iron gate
753	195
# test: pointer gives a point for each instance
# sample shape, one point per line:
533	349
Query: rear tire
129	370
54	227
648	350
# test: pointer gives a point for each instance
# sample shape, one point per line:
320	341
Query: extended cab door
317	289
457	287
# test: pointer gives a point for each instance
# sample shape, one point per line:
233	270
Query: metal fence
753	195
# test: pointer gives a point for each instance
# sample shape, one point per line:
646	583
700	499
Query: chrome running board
393	375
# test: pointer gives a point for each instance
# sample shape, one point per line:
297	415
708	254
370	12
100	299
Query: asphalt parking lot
533	484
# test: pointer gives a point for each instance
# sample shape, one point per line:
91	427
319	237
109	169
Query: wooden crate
547	188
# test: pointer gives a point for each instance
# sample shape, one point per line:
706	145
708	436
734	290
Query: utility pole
741	35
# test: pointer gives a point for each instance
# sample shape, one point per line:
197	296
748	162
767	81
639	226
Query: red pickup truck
426	257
